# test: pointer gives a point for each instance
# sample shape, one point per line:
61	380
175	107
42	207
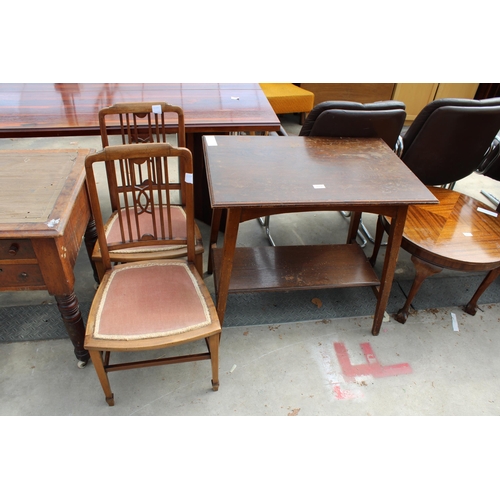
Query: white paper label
189	178
488	212
210	140
157	109
318	186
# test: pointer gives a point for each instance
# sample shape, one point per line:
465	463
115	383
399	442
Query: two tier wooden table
255	176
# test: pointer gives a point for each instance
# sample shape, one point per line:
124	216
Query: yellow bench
288	98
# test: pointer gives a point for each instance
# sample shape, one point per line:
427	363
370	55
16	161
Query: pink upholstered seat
171	310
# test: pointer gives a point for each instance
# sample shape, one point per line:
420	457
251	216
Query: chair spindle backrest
144	122
147	217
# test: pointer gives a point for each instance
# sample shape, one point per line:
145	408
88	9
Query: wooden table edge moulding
251	177
44	215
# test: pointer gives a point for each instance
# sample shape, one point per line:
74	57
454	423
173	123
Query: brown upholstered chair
384	119
138	123
446	143
150	304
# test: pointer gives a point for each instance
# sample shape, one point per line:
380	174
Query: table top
37	189
454	231
294	171
50	109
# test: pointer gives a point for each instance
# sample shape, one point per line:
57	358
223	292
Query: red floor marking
342	393
371	367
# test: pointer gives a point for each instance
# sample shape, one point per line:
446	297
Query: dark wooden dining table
70	109
256	176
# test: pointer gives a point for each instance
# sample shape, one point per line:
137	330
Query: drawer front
20	276
16	249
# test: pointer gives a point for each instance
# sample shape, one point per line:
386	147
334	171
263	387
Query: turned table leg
73	321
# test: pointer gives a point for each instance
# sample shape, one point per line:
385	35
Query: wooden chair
444	144
139	123
150	304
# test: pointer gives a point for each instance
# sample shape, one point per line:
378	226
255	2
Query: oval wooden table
452	235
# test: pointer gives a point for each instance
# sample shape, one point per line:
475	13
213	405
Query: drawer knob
14	248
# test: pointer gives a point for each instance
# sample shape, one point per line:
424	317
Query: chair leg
198	263
213	346
492	198
347	216
100	269
423	270
367	233
96	357
471	307
264	222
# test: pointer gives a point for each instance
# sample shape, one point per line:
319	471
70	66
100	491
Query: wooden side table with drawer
44	215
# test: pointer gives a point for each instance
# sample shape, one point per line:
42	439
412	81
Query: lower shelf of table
296	267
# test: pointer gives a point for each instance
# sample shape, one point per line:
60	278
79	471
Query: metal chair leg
363	229
368	234
490	197
264	222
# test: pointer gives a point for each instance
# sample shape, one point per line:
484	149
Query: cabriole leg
423	270
471	307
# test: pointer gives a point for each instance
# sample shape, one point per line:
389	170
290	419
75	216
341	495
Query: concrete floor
328	368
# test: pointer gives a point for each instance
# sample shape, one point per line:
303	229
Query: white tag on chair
189	178
157	109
